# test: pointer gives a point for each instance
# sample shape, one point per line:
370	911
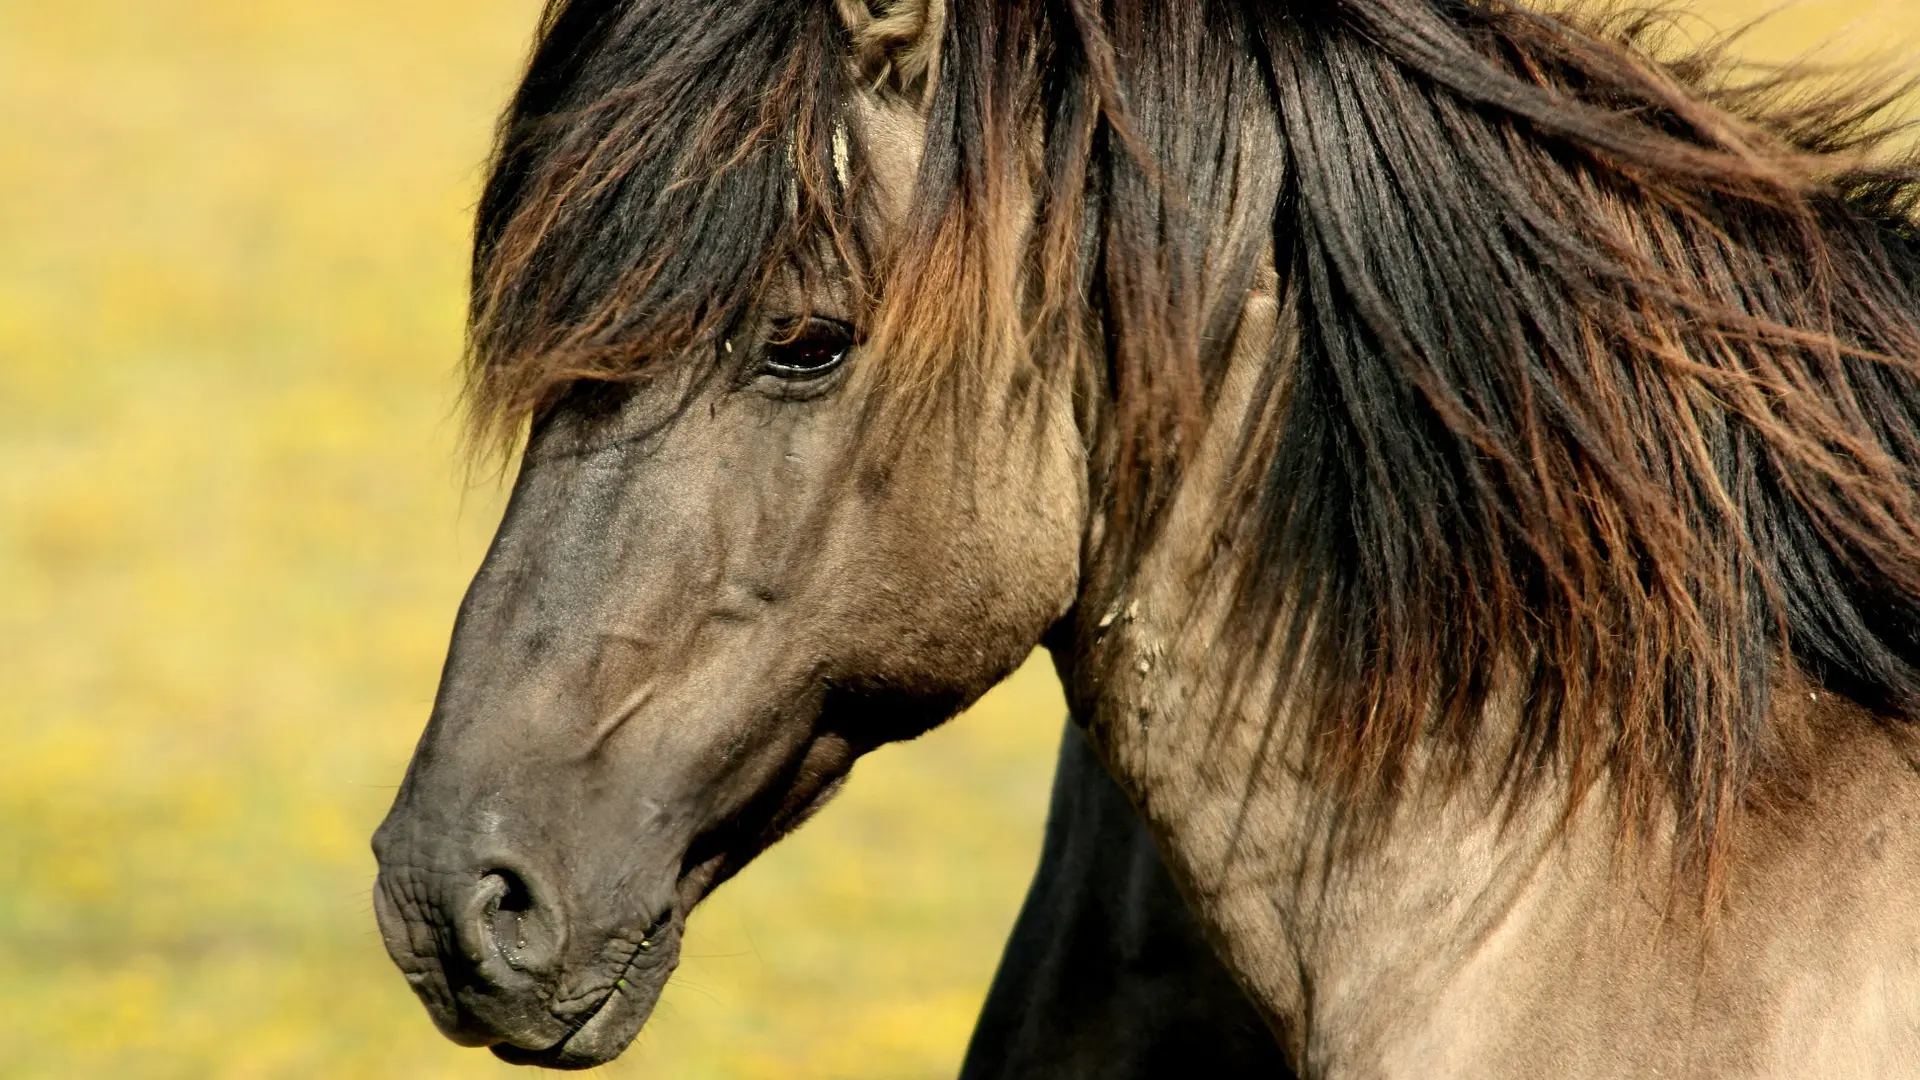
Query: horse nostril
504	920
507	910
511	890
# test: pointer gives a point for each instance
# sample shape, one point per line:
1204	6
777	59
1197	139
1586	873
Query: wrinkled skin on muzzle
712	591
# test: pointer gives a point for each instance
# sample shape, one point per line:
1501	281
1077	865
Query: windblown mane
1605	391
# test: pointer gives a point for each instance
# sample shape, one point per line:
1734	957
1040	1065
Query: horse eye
815	349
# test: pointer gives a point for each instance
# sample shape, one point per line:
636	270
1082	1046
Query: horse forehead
894	135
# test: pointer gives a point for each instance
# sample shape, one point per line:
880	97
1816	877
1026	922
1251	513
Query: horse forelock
1603	394
662	161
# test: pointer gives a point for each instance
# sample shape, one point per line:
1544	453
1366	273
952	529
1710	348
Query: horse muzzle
496	961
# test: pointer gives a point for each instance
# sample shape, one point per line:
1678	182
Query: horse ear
896	43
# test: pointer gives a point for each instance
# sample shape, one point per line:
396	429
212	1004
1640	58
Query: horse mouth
601	1032
601	1035
585	1047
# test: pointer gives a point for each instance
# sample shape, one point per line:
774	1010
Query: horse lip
557	1055
550	1058
599	1034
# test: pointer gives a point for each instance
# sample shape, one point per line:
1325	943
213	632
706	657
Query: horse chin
606	1032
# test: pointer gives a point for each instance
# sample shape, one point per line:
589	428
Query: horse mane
1605	391
1602	400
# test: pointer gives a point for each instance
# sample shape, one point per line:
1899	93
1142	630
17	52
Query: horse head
715	586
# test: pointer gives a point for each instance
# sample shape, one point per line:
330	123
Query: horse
1460	459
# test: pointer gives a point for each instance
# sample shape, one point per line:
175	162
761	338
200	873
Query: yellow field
232	536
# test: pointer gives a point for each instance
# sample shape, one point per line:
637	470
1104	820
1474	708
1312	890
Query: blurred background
233	532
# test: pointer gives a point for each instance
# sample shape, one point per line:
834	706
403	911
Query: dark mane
1607	385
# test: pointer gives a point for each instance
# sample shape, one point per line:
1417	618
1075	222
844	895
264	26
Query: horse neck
1328	933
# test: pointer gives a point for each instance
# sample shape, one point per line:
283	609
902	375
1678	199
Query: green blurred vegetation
232	536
